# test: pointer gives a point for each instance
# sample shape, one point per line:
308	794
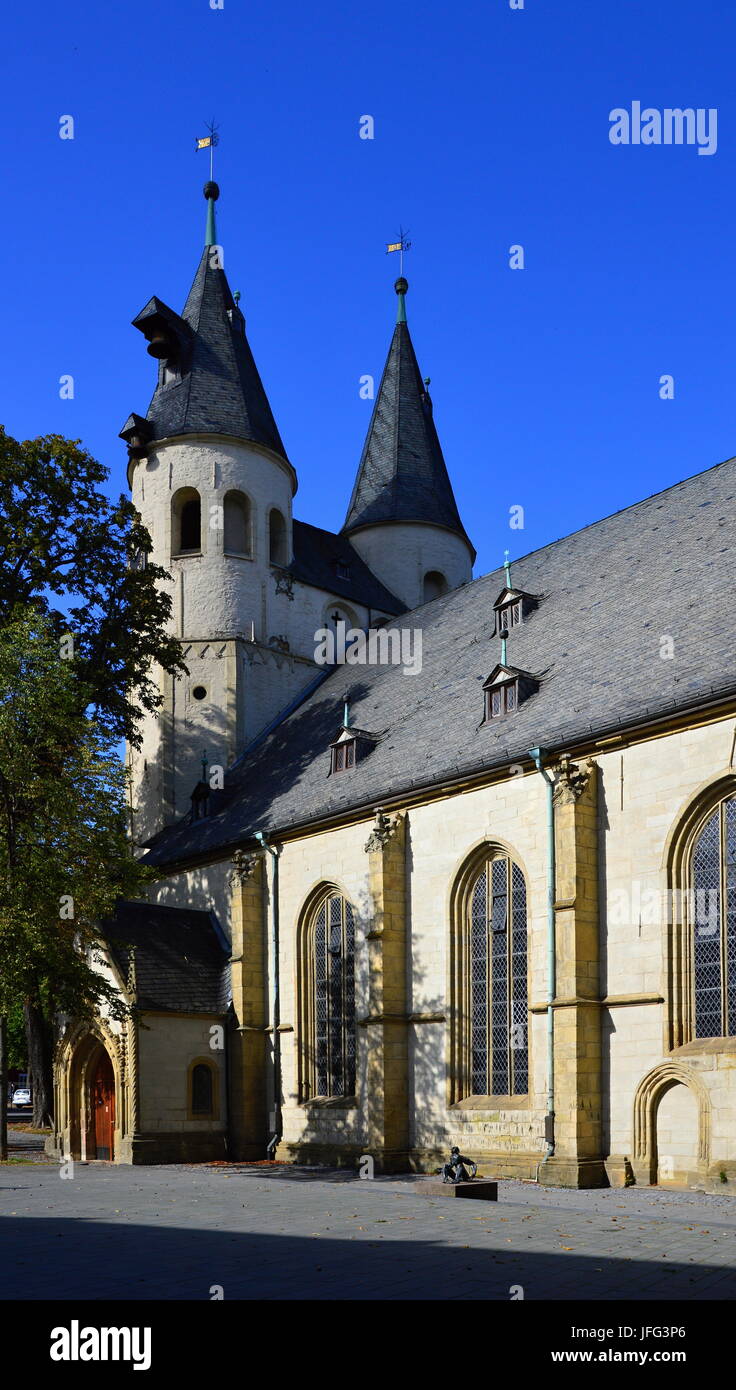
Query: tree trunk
40	1073
3	1089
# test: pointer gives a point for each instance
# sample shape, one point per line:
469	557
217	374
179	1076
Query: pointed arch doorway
102	1106
92	1100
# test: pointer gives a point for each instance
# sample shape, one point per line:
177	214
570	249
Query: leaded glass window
333	1023
713	924
502	699
497	1053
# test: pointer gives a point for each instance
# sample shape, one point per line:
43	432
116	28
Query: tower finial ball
211	190
401	285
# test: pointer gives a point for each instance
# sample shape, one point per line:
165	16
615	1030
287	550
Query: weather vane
402	245
208	142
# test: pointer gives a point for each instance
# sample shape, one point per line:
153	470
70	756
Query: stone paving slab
283	1233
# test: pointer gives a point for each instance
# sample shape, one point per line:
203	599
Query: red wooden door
103	1107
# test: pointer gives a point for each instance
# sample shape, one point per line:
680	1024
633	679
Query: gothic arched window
329	1020
186	522
236	508
277	538
490	1045
712	912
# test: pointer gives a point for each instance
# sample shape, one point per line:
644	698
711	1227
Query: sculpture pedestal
481	1188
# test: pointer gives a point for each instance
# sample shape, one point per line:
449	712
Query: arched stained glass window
712	913
332	962
494	1049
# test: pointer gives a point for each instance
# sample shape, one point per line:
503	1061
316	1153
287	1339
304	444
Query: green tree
72	554
65	851
68	550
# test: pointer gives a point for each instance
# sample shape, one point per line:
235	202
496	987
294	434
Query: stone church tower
403	518
251	586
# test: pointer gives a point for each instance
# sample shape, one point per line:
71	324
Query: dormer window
511	608
505	689
510	615
343	755
343	570
502	699
348	748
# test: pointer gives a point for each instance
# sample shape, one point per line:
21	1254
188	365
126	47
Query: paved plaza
279	1232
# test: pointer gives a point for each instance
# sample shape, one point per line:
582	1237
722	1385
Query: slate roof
181	962
607	596
220	391
318	553
402	475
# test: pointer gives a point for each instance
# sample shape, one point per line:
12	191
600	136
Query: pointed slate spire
209	384
402	475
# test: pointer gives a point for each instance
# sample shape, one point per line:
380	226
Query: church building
486	897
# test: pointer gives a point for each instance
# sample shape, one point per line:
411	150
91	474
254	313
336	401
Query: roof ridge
641	502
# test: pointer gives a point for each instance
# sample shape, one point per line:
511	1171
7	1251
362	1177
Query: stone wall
614	1064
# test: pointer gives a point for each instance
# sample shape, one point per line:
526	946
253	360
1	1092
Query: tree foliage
84	623
65	852
68	550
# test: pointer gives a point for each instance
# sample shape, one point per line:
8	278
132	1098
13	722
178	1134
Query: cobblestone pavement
293	1233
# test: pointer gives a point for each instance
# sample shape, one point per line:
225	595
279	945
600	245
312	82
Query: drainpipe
537	754
276	1121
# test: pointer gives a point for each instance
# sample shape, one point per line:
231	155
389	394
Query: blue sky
491	129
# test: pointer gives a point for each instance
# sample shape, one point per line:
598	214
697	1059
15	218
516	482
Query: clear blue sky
491	128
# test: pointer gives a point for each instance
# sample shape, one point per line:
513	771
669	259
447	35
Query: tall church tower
251	587
212	482
403	518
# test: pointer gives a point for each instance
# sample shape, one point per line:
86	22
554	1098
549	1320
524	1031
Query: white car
21	1098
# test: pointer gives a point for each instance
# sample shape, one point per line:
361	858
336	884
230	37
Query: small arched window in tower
277	538
435	585
236	524
186	522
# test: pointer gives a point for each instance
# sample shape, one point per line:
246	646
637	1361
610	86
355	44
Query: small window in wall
202	1091
501	700
277	538
506	689
435	585
186	519
343	755
509	616
237	524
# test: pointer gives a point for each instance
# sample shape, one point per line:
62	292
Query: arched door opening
672	1126
102	1107
677	1137
92	1101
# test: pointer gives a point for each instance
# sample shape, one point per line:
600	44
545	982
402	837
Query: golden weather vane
402	245
208	142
